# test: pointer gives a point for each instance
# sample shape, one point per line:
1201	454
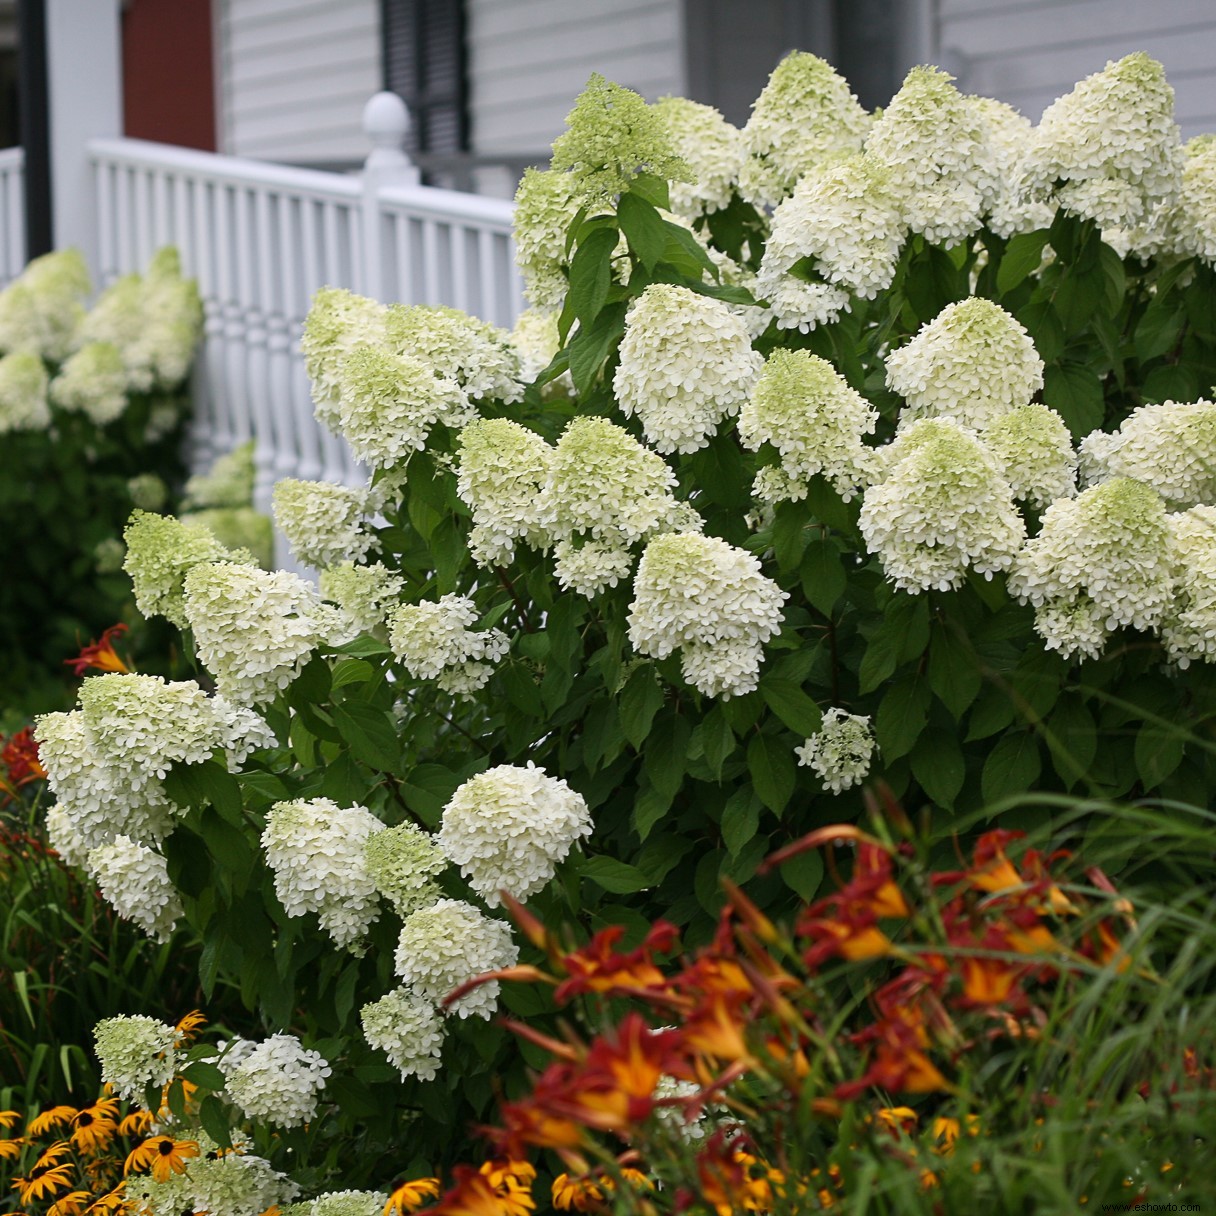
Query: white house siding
529	59
1028	52
294	76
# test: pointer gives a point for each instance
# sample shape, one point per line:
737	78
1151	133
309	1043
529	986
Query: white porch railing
12	213
261	239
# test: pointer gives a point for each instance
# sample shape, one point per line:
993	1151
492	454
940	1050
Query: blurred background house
489	82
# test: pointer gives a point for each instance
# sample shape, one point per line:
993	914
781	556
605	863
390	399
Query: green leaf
1074	391
205	1074
823	576
938	765
364	647
740	820
643	227
953	674
789	535
1012	766
1023	255
1159	751
213	1115
1072	738
591	274
1159	328
654	189
771	765
804	873
717	740
640	700
519	683
1173	382
902	715
666	754
222	791
648	809
344	993
787	700
370	733
616	877
589	349
352	671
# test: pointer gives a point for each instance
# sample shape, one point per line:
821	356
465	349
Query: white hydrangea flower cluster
1194	220
804	116
1100	561
686	364
402	862
148	491
389	403
148	722
710	146
502	469
279	1081
970	364
363	596
1113	144
935	143
1189	629
847	217
840	751
317	851
228	483
154	320
236	1183
434	642
409	1030
476	355
161	551
342	1203
93	382
1171	447
105	761
1033	449
808	412
443	946
509	828
545	205
941	507
23	393
135	1052
64	838
254	629
322	521
710	600
135	881
604	493
42	308
337	323
94	794
611	136
1010	136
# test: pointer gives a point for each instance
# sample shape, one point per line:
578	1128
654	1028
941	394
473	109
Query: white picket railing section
261	239
12	213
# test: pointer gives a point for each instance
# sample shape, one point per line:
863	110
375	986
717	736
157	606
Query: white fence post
386	122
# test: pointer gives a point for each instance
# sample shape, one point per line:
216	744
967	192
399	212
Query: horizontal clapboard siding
1028	52
294	77
528	59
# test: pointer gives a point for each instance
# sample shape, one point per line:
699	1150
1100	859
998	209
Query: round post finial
386	122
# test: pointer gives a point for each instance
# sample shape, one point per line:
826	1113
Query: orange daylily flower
100	655
597	967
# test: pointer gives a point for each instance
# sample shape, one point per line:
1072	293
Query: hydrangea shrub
882	456
92	406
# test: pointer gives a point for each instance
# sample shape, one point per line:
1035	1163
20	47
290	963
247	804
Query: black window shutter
425	64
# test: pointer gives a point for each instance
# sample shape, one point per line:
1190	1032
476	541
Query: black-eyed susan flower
162	1156
57	1116
94	1127
410	1196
